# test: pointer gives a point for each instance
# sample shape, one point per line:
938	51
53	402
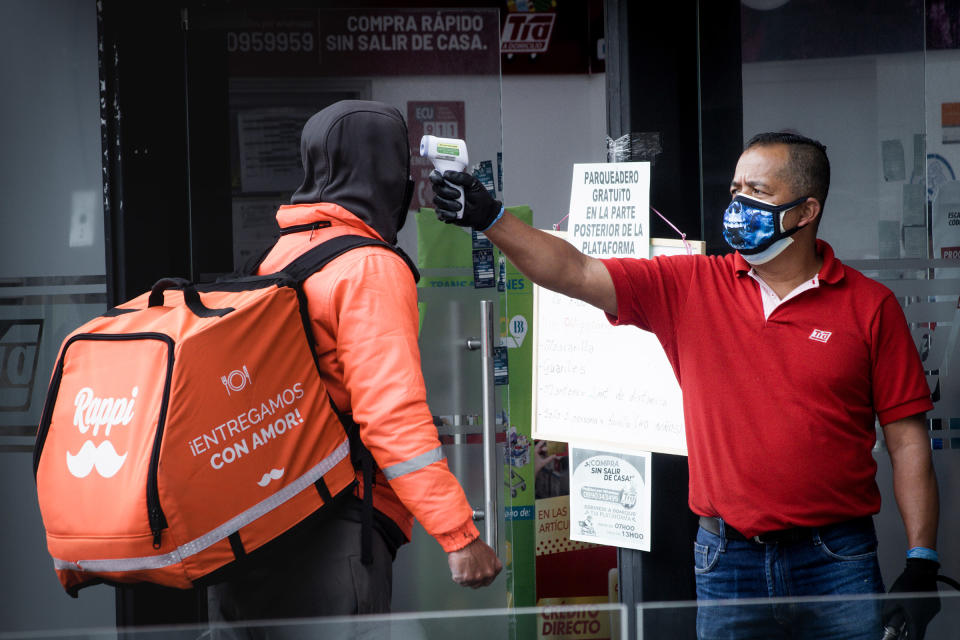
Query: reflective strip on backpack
230	526
414	464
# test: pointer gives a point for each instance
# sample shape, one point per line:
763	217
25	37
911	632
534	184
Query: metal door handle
489	514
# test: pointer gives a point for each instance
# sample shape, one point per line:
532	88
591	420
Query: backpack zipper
155	515
158	521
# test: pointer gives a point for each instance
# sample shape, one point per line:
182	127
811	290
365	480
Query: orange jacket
363	306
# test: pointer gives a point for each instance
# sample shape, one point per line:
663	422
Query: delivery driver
785	357
363	308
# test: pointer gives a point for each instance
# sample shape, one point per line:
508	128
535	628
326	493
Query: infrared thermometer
446	154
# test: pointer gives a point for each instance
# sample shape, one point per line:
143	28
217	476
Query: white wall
834	101
480	94
550	123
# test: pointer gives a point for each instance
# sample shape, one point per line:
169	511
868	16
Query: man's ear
809	212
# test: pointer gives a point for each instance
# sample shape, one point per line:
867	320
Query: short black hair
809	168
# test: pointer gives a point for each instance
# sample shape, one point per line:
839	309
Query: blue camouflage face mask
755	228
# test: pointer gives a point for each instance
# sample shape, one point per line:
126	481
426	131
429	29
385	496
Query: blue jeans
836	560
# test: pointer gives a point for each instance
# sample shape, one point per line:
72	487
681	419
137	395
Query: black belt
783	536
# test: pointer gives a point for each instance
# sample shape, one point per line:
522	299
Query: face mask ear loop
790	207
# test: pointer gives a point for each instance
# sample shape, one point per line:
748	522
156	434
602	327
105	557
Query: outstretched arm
544	258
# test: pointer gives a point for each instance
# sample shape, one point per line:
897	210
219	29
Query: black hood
355	154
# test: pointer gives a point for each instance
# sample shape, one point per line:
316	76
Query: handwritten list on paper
600	383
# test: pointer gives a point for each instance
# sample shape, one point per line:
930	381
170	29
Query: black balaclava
355	154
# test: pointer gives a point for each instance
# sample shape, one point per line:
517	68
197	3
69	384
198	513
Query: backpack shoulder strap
300	269
250	267
318	257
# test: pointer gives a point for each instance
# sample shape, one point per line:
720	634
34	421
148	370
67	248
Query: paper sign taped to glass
610	498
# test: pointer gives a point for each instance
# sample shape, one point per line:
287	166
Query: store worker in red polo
786	357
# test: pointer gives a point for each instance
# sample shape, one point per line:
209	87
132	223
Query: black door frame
674	80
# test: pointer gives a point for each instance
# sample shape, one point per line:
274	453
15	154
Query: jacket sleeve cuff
458	538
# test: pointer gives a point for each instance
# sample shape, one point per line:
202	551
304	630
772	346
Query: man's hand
919	576
544	258
480	208
476	565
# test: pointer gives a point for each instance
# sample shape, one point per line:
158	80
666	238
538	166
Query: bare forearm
914	481
544	258
554	263
915	488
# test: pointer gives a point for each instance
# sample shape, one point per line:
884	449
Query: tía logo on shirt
820	335
92	413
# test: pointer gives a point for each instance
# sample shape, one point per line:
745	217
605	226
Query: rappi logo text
91	413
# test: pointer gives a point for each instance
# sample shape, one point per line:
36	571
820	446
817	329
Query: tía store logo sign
92	414
527	32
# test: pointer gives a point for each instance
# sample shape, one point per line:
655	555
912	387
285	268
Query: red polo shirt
780	411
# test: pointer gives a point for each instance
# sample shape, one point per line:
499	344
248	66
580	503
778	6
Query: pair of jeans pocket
706	555
844	545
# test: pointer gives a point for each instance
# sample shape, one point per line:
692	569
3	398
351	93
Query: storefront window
52	267
52	261
877	84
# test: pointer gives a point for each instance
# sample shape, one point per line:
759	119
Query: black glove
913	614
480	208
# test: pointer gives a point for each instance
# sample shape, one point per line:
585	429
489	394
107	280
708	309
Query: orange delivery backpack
189	426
